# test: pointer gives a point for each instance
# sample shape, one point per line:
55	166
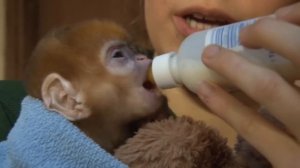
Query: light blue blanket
42	138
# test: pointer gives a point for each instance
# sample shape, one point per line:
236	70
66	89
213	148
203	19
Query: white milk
186	68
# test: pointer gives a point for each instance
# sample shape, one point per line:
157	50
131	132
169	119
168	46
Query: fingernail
205	89
211	51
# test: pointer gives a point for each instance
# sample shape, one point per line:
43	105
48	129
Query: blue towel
42	138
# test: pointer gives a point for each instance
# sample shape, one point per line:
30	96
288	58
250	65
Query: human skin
161	15
167	29
269	89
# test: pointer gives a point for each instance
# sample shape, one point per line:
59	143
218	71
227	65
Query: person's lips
193	20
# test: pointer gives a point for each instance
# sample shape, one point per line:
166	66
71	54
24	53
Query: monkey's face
127	71
89	69
122	88
91	76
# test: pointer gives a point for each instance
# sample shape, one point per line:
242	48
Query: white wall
2	37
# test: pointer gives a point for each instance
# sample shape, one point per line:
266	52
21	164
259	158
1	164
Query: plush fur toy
177	143
184	143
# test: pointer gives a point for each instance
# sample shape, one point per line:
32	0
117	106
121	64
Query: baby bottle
186	68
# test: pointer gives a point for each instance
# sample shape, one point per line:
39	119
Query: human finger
278	36
261	84
289	13
265	137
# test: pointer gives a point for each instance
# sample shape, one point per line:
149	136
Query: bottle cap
161	69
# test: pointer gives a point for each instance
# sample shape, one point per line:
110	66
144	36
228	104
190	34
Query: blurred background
2	39
24	22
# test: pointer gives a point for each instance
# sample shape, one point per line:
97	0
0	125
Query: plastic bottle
185	67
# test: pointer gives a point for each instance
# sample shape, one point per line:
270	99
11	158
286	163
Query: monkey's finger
265	137
276	35
263	85
289	13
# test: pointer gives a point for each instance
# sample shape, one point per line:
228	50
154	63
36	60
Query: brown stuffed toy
177	143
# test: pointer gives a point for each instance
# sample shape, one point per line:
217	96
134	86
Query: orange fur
72	52
176	143
109	106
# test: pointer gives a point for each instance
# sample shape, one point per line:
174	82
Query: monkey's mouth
148	85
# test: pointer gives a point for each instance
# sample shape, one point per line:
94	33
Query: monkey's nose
141	57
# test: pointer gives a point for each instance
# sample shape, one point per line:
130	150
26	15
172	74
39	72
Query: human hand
281	35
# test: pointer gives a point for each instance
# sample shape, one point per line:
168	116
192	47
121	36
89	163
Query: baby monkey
90	74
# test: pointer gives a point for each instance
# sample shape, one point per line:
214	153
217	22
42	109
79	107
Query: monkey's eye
117	54
120	52
120	59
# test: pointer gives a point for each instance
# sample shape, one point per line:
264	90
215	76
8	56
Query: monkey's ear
59	95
